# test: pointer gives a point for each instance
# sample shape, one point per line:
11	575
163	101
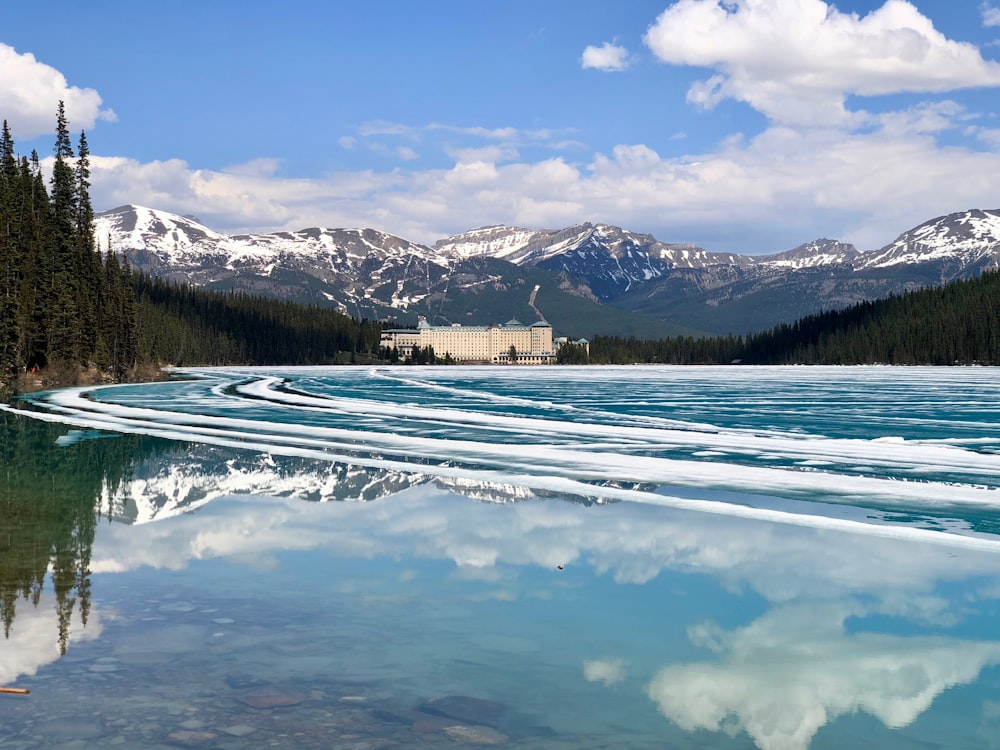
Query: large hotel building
533	343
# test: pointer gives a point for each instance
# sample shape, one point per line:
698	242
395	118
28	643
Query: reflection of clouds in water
34	639
608	672
794	670
631	542
779	679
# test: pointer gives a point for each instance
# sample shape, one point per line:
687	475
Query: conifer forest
70	308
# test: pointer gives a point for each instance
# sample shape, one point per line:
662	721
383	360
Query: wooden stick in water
15	691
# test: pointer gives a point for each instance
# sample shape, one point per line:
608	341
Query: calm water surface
639	557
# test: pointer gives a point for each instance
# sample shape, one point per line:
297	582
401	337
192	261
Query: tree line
64	305
70	309
955	324
183	325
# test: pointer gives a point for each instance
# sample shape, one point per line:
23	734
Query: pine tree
65	338
64	191
37	267
9	261
88	260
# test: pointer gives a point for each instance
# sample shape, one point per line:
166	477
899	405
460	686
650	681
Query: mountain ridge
370	273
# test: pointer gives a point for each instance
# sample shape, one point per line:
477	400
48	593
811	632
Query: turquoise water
782	558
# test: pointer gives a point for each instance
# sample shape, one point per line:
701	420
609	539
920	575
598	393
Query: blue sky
740	125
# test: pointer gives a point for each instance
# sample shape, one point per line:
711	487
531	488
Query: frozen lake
727	557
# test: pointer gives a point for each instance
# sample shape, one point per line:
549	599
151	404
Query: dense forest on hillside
184	325
71	311
63	304
958	323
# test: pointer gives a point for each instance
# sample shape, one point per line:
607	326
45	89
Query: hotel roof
424	325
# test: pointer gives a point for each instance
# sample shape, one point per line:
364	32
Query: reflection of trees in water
52	497
48	512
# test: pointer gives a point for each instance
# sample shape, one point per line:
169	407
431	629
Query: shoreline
51	378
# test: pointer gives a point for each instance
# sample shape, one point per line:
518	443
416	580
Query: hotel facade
493	344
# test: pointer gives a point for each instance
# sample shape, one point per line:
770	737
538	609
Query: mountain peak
495	241
131	226
821	252
970	238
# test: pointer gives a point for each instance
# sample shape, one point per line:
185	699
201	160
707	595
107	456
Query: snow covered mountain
361	271
967	240
611	259
505	243
813	254
182	241
368	273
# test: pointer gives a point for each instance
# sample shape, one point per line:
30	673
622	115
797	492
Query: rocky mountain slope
586	279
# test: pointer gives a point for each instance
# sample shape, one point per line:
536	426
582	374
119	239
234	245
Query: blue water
782	558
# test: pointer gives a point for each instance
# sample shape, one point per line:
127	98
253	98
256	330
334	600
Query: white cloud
927	117
382	127
608	57
495	134
796	61
30	92
493	153
990	136
608	672
788	183
991	15
263	167
462	143
794	670
34	638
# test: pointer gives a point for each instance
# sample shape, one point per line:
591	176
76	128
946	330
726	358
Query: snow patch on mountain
971	237
179	242
493	242
821	252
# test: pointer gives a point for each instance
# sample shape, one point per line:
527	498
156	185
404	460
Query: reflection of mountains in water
57	484
197	474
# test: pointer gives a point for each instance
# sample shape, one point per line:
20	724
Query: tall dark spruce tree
63	306
67	323
10	261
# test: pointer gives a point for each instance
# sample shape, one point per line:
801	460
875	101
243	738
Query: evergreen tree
66	339
10	261
64	189
88	261
958	323
61	307
37	281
